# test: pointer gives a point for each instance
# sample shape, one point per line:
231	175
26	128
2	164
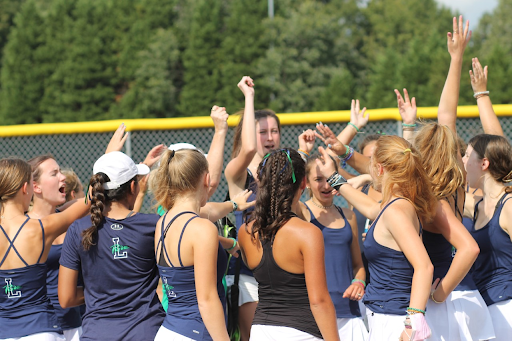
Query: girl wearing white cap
114	250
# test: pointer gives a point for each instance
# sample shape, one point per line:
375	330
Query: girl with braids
25	310
344	266
113	248
399	265
286	255
49	193
489	168
191	260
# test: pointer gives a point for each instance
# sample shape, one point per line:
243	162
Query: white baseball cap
120	169
184	145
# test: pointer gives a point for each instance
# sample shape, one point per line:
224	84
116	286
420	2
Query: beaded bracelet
412	311
235	206
234	244
354	126
409	125
355	280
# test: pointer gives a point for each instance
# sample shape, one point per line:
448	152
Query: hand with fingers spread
246	85
325	164
241	200
329	138
154	155
220	118
118	139
478	76
458	40
307	140
406	107
357	117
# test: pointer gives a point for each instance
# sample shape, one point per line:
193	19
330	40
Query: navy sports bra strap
164	233
382	211
312	216
341	212
475	212
181	236
11	243
42	231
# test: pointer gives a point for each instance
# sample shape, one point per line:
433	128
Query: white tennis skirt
352	329
165	334
51	336
261	332
384	326
501	314
463	316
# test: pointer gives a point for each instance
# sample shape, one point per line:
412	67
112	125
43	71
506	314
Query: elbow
65	302
319	302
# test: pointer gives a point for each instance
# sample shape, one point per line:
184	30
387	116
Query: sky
471	9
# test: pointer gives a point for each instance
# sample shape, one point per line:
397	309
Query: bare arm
408	112
356	290
143	183
205	247
312	249
358	121
214	211
58	223
467	249
457	42
236	170
216	152
69	294
488	117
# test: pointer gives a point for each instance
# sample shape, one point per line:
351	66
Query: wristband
433	299
234	244
409	125
363	283
480	94
347	151
336	181
354	126
235	206
412	311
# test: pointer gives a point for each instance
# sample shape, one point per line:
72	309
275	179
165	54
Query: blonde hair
179	173
439	147
406	177
73	183
14	173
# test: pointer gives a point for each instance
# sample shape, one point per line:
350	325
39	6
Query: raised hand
220	118
154	155
331	141
357	116
325	164
478	76
406	107
307	140
458	40
118	139
241	200
246	85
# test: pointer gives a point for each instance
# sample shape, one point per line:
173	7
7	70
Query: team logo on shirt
116	227
118	249
168	288
12	291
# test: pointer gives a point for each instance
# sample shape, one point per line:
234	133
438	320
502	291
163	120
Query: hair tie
508	177
170	157
407	150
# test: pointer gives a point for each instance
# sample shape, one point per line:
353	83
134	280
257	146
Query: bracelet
354	126
408	125
355	280
234	244
235	206
359	283
348	154
433	299
336	181
347	151
412	311
481	93
303	152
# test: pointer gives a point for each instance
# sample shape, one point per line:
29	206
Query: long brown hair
35	162
406	177
280	175
14	173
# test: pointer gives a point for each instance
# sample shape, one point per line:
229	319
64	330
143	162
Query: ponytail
97	205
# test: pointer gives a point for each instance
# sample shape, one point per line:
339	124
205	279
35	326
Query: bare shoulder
301	230
399	213
203	229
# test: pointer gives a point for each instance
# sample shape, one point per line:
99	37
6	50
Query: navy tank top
69	318
283	296
252	185
390	289
338	265
493	267
183	316
24	305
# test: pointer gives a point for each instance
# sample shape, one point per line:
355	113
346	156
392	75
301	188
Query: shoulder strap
181	236
475	212
11	243
42	231
164	233
310	212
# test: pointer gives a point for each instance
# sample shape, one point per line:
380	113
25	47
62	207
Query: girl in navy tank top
489	168
191	260
343	263
50	192
400	268
25	310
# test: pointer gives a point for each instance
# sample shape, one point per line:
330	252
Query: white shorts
248	290
384	326
278	333
352	329
165	334
73	334
501	314
50	336
463	316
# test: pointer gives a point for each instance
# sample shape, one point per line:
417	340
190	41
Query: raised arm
236	170
214	211
457	42
57	223
358	121
488	117
216	152
408	111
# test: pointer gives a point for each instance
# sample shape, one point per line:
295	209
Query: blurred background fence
78	145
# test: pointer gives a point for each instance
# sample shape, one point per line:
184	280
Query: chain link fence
80	151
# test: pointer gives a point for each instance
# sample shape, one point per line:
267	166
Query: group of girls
302	276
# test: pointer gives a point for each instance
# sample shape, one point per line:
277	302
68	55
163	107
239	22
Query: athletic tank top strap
11	243
42	231
382	211
164	233
457	210
475	212
181	236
